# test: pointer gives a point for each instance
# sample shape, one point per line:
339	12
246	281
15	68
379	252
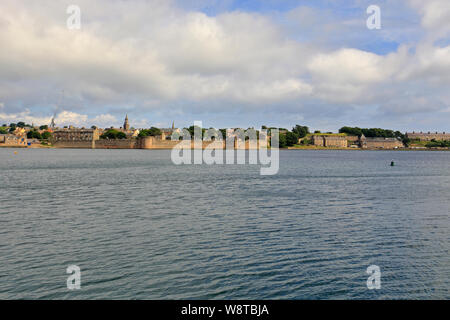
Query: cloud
64	118
104	120
71	118
25	116
435	16
187	56
161	58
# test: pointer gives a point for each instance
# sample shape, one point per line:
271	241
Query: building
126	124
75	138
130	133
330	141
10	140
380	143
19	132
167	132
428	136
75	134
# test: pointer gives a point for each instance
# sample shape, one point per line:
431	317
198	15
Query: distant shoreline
287	149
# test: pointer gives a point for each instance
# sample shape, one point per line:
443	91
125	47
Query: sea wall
428	136
143	143
73	144
380	144
157	143
116	144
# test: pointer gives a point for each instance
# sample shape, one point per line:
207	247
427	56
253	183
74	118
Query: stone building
10	140
19	132
331	141
126	124
166	133
428	136
129	132
380	143
75	134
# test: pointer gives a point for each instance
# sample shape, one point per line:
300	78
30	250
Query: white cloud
157	53
24	116
104	120
71	118
185	55
64	118
349	66
435	16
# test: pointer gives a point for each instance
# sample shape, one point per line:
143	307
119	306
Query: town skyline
127	126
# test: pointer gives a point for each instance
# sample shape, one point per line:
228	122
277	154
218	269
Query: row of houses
344	141
11	140
428	136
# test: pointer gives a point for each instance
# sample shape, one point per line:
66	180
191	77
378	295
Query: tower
52	124
126	124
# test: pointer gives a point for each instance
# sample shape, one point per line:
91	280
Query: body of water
140	227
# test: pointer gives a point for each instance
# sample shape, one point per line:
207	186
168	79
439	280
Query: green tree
33	134
3	130
291	139
113	134
46	135
301	131
406	141
438	144
152	132
192	131
281	141
44	127
351	131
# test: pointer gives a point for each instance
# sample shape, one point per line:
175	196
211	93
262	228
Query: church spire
126	124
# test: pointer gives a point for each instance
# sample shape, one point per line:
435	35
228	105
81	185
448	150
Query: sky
227	63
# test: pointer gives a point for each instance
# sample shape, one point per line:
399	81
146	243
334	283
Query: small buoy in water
392	163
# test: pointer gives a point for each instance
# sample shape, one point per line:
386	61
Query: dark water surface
140	227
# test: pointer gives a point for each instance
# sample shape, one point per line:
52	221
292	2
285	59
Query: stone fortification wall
73	144
429	136
117	144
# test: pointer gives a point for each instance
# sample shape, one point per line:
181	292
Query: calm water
142	228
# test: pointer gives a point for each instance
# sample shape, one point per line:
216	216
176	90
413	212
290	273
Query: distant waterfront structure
52	123
331	140
428	136
11	140
380	143
167	132
126	124
75	136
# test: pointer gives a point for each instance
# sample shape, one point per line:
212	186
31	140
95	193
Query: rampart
428	136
